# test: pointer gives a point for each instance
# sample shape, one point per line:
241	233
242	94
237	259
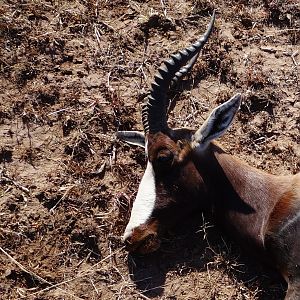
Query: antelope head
171	186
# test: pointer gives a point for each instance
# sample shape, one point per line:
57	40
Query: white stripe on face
144	202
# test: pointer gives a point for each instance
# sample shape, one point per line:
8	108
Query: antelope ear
217	123
132	137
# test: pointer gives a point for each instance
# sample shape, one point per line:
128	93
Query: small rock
297	104
268	49
92	81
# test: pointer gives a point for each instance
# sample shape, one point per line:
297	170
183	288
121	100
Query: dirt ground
72	74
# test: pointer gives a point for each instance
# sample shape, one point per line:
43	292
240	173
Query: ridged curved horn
184	70
154	108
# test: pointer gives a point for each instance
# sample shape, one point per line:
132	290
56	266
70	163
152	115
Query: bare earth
72	74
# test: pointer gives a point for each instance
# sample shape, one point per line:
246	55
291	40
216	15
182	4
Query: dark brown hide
179	188
260	210
144	238
282	239
242	196
286	207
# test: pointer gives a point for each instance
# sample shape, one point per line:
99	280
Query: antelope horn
154	109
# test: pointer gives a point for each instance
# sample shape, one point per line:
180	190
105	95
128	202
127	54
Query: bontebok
186	170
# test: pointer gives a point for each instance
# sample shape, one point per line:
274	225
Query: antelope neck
242	196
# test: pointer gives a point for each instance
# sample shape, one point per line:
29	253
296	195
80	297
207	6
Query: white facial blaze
144	202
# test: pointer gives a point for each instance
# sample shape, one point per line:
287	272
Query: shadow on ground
194	247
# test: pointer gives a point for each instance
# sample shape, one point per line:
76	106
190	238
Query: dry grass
72	74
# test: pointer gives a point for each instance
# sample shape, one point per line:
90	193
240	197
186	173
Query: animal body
186	170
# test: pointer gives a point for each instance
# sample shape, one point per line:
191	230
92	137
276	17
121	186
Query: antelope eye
165	156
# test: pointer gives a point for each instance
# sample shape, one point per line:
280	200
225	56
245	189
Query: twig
268	49
94	286
205	225
34	274
58	111
112	156
96	8
283	30
142	295
62	198
163	5
100	171
16	184
120	292
108	26
144	60
89	271
293	57
97	34
108	81
23	268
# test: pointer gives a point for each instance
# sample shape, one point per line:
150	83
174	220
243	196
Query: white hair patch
144	202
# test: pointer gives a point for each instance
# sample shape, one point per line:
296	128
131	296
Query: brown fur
281	210
144	238
251	205
288	204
